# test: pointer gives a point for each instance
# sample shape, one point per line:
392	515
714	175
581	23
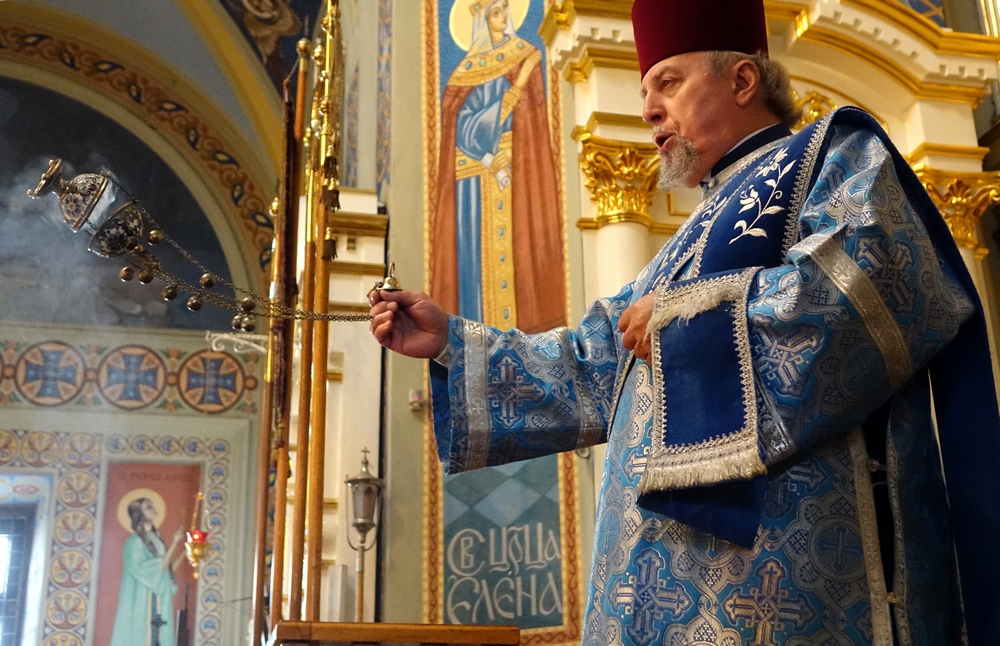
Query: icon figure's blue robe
772	473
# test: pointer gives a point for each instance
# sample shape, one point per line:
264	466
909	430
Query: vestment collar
745	147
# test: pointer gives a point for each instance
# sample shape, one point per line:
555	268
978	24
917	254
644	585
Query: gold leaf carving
814	106
962	199
621	177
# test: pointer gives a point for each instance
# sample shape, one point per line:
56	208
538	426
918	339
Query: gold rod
260	517
278	553
990	14
305	376
317	446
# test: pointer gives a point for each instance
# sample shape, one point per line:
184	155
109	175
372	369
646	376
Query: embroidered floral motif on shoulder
750	199
719	197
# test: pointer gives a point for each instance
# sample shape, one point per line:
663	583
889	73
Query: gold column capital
962	199
621	177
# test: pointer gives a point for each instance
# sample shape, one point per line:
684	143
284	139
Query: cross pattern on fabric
801	477
788	356
891	266
510	390
768	605
646	597
840	548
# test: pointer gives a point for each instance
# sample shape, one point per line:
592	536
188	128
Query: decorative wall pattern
74	401
383	147
126	377
78	461
350	131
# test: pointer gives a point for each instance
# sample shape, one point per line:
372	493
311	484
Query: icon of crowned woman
496	227
145	600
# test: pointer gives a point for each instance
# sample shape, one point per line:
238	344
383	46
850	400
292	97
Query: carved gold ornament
814	106
621	177
962	199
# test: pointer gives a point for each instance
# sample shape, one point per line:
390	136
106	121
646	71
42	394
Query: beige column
618	186
619	181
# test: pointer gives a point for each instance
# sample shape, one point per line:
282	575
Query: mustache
661	135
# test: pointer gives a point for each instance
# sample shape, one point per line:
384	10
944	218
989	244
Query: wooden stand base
295	633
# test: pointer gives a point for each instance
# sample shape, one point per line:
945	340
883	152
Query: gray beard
677	164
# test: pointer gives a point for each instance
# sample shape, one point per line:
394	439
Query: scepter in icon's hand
99	205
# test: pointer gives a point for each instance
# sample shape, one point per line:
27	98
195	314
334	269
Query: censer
98	205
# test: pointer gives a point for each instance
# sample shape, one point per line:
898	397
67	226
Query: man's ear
746	83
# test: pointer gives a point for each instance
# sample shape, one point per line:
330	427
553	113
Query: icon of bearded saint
267	21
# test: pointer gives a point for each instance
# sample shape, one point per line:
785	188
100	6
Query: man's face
688	108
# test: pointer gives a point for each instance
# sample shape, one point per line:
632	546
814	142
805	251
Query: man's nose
652	110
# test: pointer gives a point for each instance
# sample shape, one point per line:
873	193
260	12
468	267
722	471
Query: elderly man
773	474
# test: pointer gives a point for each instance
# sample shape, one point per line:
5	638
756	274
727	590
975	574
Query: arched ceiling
234	52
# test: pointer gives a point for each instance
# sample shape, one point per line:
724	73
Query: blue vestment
772	473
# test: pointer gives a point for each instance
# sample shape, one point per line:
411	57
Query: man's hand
408	322
633	324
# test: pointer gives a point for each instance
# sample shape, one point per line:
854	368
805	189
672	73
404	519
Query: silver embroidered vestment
800	302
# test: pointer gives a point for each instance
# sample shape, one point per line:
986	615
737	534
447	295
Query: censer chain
270	308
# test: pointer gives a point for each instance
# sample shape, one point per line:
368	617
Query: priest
774	471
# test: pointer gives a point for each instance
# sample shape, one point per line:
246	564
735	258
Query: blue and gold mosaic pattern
127	377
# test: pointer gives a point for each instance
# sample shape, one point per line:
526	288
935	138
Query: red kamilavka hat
665	28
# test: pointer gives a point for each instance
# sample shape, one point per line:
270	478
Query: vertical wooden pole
274	351
329	108
305	363
260	581
280	346
317	437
